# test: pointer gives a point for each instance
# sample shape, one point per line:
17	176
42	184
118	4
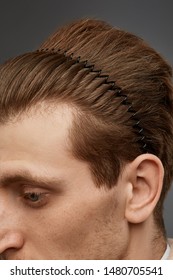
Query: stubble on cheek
83	230
87	235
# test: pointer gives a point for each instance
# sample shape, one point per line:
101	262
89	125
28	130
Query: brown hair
77	65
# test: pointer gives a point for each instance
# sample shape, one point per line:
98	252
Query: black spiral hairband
119	93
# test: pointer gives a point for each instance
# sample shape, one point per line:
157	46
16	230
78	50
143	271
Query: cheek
81	228
70	226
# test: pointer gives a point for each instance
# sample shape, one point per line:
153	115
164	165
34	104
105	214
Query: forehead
37	135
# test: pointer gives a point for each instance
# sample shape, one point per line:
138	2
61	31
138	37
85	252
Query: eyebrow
26	177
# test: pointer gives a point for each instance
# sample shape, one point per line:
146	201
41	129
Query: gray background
25	24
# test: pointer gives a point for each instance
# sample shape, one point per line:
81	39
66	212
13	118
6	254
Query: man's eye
33	196
35	199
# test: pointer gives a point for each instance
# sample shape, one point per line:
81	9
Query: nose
11	236
10	239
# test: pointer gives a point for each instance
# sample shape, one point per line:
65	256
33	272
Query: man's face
49	205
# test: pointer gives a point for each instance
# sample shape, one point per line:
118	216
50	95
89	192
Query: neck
145	242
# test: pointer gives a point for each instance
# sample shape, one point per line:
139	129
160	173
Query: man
86	142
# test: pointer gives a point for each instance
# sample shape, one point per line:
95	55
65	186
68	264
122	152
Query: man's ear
145	175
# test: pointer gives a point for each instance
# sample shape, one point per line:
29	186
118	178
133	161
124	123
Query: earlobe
145	184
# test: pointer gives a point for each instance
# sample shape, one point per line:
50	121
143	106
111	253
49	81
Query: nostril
9	254
1	257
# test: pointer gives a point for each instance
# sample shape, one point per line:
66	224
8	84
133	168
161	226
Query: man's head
90	112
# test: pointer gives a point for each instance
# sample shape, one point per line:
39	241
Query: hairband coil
138	129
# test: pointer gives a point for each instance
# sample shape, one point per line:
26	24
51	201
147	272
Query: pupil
34	197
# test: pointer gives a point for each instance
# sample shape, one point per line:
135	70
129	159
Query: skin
60	213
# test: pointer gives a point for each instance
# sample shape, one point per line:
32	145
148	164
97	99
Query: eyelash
35	204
